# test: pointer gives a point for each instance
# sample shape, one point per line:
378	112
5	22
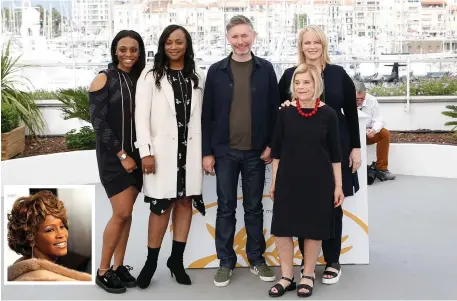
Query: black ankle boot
144	279
175	263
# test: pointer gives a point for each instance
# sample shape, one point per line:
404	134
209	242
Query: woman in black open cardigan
339	93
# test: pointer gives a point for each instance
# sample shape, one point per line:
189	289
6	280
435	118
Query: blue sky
63	6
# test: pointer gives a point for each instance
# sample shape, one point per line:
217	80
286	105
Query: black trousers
332	247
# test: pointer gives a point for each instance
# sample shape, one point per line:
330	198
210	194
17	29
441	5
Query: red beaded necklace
313	112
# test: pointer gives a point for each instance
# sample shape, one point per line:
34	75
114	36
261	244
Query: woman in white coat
168	124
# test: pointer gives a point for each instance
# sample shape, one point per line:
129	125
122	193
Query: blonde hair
322	38
312	70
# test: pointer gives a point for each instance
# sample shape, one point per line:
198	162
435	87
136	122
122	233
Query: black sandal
306	287
281	289
334	276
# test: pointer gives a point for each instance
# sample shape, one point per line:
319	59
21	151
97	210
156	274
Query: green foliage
300	20
453	114
42	95
21	101
6	14
10	118
84	139
56	19
76	103
424	87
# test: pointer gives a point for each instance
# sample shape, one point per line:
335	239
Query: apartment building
128	14
421	26
352	26
91	16
367	14
273	20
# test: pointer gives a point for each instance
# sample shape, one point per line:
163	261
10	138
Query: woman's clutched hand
148	165
354	159
129	164
338	196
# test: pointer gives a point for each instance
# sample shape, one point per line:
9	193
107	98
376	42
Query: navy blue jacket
217	100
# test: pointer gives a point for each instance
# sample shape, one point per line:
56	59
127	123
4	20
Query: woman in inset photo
38	230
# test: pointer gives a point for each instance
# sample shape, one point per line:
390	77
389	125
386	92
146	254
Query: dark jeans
331	247
228	168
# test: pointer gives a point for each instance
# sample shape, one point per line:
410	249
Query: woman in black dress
168	118
339	94
307	183
112	105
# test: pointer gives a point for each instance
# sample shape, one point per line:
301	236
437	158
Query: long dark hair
141	63
161	60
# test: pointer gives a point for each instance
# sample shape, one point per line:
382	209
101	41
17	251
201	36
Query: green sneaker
264	272
222	277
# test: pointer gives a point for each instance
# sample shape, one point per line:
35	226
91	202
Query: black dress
111	115
339	93
182	89
304	189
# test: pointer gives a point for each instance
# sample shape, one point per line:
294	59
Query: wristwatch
123	156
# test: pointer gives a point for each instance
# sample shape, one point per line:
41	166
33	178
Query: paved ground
413	243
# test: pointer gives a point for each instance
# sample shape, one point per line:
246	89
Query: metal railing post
74	73
408	83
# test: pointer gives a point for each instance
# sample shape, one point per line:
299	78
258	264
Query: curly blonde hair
26	216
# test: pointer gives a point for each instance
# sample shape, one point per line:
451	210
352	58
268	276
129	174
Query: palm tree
453	114
76	103
21	101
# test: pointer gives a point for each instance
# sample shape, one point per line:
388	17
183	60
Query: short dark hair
238	20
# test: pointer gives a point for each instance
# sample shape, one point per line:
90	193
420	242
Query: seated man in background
376	133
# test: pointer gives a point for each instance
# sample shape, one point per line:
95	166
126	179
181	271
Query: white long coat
157	134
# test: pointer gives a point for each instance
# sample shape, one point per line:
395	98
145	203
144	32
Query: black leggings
332	247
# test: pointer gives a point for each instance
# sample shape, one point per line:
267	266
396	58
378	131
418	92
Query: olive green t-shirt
240	111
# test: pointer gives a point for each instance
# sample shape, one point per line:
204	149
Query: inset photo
49	234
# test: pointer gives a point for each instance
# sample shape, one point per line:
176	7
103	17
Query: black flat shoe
281	290
123	273
306	287
110	282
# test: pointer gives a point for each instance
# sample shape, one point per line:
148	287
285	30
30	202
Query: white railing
83	73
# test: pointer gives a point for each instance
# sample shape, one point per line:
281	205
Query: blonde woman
340	95
307	183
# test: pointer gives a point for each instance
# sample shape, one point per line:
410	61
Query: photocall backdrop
200	251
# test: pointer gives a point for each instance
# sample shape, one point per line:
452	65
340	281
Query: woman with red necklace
340	95
307	181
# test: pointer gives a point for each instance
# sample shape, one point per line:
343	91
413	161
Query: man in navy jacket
240	105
